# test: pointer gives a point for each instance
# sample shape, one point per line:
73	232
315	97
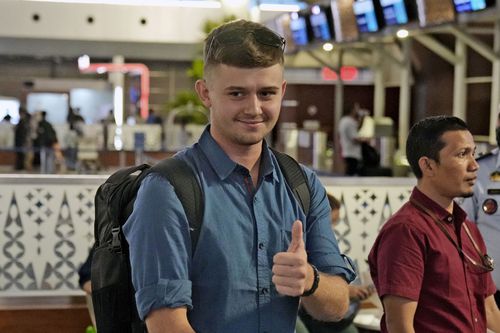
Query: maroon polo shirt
413	258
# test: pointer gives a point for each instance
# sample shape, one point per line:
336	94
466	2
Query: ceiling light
402	33
269	7
328	47
158	3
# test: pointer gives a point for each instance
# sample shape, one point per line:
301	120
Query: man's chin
467	194
250	140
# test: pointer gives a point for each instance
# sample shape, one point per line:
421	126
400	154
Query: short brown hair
244	44
334	202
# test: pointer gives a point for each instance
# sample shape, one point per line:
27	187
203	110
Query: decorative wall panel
364	208
46	231
46	226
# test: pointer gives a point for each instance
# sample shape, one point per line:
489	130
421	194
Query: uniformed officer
483	208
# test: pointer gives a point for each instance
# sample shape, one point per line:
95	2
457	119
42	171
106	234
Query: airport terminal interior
115	81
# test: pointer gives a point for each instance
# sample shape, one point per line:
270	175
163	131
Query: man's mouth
471	180
250	122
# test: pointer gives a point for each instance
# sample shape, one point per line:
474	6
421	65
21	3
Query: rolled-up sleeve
160	247
321	244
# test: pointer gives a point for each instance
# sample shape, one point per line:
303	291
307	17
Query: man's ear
202	90
283	88
427	166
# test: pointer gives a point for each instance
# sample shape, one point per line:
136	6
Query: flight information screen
365	16
395	12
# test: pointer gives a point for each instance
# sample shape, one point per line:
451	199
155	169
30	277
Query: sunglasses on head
262	36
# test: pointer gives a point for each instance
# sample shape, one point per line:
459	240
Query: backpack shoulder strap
187	189
296	179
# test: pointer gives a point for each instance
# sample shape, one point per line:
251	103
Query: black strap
121	174
296	179
187	189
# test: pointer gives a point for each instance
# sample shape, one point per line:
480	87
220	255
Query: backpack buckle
116	242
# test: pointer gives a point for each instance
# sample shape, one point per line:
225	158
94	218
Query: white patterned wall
46	230
363	211
46	226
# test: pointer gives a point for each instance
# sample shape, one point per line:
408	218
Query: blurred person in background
22	138
6	133
46	139
350	142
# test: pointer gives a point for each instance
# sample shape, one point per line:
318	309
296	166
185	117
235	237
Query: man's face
455	174
244	103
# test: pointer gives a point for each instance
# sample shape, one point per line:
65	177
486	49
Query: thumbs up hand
291	272
297	242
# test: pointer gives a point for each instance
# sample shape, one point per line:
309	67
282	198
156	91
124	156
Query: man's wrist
315	283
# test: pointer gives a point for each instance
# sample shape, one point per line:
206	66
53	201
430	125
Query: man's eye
267	94
236	93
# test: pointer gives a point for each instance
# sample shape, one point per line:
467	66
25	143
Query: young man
257	253
482	207
428	262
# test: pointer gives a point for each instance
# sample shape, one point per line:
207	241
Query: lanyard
486	261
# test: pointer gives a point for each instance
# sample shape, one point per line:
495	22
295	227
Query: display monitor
462	6
320	19
344	21
434	12
366	16
396	12
281	25
299	28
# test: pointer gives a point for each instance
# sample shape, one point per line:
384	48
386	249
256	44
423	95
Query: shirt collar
224	166
458	215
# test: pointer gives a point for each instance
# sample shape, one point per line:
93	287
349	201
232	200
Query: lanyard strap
441	226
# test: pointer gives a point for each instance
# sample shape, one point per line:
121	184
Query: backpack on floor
113	294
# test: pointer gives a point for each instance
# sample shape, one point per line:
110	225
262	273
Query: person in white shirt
350	142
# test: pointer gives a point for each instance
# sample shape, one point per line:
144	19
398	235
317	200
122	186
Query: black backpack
113	294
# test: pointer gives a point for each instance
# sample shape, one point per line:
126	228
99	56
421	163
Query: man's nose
474	166
254	105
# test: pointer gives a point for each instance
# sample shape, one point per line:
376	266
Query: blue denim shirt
226	284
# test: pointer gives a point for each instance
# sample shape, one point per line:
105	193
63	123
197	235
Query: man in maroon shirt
428	262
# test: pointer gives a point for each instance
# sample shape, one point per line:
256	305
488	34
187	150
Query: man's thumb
297	237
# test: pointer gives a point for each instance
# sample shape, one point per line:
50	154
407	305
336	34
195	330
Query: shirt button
475	319
261	246
450	219
255	199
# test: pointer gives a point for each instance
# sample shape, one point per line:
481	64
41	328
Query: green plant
188	107
196	70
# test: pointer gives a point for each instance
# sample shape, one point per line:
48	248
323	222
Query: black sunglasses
233	37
